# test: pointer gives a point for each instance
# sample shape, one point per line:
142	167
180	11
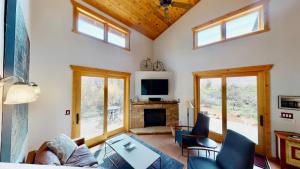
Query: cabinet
288	149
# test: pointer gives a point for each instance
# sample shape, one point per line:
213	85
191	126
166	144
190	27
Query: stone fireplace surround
137	112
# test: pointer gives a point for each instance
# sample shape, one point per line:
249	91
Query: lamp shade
189	104
20	93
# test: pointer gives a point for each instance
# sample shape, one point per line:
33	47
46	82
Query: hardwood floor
166	144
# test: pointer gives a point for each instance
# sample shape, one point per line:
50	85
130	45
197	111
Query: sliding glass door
242	107
235	99
115	118
100	103
211	102
91	107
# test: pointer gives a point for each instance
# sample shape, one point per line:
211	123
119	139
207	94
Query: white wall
280	47
54	48
139	75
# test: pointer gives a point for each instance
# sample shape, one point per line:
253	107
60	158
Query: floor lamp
189	106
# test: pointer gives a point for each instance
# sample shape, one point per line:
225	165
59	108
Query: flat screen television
155	87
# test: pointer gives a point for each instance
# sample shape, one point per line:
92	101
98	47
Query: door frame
79	71
263	77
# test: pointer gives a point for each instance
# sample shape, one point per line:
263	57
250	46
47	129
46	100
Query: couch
80	157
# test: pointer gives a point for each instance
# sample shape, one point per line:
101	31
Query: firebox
154	117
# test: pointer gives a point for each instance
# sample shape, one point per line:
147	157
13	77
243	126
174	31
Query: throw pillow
45	157
63	147
82	157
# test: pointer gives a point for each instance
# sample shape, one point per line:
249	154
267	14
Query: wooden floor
166	144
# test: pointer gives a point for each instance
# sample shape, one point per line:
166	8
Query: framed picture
2	15
289	102
15	63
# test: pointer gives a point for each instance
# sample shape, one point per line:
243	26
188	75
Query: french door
100	103
236	99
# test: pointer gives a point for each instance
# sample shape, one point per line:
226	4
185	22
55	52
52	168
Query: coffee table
140	157
207	143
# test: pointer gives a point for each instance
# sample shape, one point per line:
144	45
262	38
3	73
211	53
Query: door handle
77	118
261	120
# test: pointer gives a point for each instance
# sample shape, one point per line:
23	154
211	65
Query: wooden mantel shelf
154	102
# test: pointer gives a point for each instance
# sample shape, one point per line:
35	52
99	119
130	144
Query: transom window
246	21
90	23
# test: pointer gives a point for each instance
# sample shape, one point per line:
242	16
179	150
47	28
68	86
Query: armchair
237	152
187	138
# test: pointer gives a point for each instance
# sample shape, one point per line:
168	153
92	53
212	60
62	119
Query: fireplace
138	109
154	117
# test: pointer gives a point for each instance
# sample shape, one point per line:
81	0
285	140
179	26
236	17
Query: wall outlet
285	115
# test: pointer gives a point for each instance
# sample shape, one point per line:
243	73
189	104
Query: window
90	23
210	35
246	21
116	37
236	99
91	27
100	103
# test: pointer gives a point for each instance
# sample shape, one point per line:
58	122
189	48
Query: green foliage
241	99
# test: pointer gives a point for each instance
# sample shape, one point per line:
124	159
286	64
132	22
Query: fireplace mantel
154	102
137	112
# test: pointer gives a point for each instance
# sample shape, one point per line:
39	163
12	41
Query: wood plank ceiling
145	16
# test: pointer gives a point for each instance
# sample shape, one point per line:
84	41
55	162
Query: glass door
211	104
100	103
115	118
91	107
242	107
236	99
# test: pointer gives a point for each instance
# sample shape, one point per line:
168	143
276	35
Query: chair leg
182	150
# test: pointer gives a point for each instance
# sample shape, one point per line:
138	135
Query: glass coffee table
136	155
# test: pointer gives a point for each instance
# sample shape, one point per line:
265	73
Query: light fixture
20	92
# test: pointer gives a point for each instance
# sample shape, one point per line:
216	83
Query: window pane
115	104
211	102
242	106
89	26
209	35
116	37
243	25
92	106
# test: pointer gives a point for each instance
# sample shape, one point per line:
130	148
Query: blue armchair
237	152
187	138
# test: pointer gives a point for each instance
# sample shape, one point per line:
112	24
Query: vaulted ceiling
145	16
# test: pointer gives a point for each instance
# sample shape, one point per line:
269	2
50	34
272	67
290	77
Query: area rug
167	162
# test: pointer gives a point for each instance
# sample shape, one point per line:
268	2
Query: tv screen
155	87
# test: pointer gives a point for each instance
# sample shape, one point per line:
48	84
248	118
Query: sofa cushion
201	163
46	157
82	157
63	147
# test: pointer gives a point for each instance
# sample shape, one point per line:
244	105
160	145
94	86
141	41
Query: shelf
154	102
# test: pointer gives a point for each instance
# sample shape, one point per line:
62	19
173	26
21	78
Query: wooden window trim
78	71
261	5
263	72
81	9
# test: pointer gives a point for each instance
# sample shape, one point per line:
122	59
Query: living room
131	73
